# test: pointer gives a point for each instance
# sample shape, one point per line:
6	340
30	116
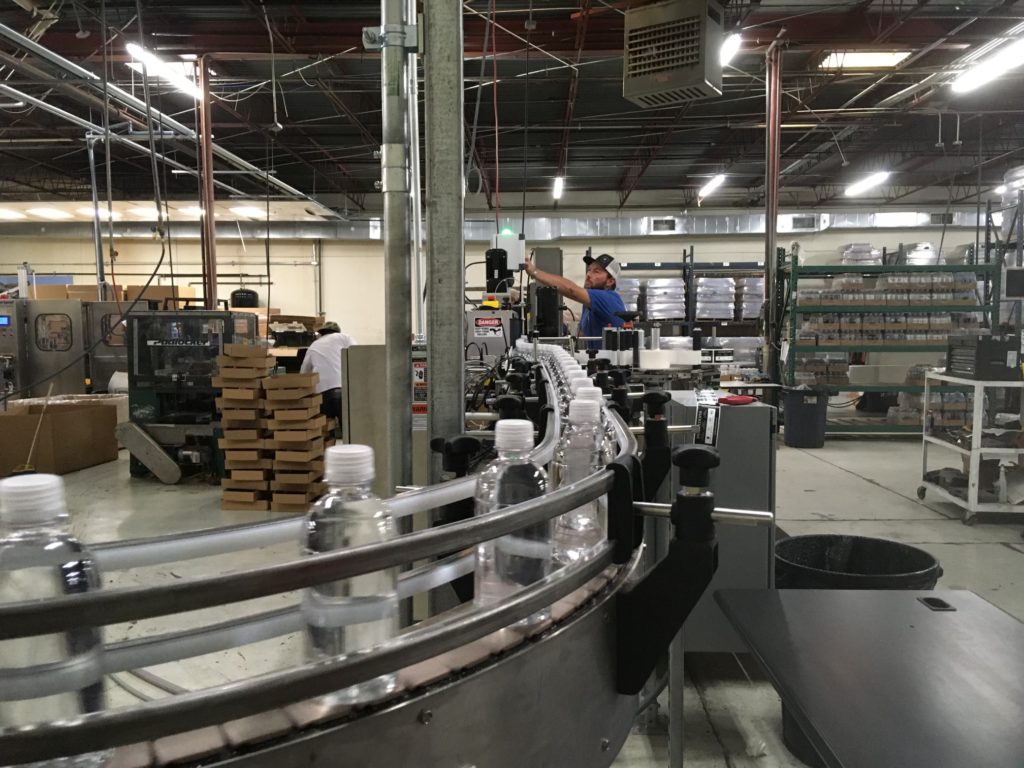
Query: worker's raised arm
563	285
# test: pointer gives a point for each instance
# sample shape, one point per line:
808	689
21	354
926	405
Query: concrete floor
864	487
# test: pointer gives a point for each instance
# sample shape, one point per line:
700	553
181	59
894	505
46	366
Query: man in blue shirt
598	296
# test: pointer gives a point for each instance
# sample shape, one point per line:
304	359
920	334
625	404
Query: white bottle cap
29	499
590	393
584	412
579	383
349	464
577	373
513	435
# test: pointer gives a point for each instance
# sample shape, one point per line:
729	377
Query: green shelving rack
792	273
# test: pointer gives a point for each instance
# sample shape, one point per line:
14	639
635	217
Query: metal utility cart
971	504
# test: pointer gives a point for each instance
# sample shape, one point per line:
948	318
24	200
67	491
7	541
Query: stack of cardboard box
297	439
249	465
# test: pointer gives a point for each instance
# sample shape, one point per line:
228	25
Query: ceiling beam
574	84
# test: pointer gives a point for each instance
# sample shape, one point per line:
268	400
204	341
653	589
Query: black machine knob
603	364
628	317
520	365
510	407
695	463
456	452
655	402
518	382
619	377
602	380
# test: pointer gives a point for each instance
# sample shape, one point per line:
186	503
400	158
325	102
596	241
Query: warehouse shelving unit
792	273
970	503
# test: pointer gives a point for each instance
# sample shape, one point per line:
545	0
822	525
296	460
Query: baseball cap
607	261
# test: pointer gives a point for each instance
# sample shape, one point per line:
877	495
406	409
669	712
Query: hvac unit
672	53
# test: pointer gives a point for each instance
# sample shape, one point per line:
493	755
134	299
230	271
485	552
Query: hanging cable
476	110
530	24
497	126
266	234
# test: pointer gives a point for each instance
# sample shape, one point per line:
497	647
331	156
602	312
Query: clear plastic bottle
361	612
577	456
609	447
506	565
40	559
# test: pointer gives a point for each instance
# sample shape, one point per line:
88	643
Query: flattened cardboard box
245	350
292	381
72	437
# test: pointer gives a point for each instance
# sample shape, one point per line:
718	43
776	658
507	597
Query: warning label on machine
487	327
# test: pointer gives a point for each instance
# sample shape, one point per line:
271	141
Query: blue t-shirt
600	314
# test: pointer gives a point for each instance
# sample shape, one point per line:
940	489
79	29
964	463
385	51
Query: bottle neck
358	488
514	454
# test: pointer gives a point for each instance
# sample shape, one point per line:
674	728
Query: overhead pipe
397	241
14	93
773	117
206	193
127	99
417	184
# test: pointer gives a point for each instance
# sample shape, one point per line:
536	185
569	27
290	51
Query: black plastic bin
805	412
832	561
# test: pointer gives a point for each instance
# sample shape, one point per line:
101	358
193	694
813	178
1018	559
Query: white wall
353	272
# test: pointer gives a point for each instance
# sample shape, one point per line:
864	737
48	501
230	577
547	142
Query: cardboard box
248	464
288	416
283	400
159	293
306	381
71	437
246	350
291	479
37	291
243	435
230	484
287	465
233	389
288	438
255	444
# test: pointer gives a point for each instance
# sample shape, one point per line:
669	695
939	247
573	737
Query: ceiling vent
672	53
805	222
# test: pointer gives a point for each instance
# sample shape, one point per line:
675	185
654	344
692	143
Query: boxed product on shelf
860	254
715	310
808	296
921	254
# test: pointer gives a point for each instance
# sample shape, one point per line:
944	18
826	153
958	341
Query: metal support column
773	111
97	235
206	194
397	242
443	79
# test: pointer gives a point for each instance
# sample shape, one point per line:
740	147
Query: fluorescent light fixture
1000	190
193	211
865	184
104	213
54	214
863	59
250	212
157	67
988	69
144	212
730	47
711	186
6	214
559	187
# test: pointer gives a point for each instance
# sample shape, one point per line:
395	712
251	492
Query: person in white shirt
324	357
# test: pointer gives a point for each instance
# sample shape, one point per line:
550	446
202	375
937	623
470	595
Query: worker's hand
530	267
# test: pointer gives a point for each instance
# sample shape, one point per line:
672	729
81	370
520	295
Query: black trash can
805	412
245	297
832	561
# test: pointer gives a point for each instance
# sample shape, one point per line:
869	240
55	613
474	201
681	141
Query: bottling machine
172	359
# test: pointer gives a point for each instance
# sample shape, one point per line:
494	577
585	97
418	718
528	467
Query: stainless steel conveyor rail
234	700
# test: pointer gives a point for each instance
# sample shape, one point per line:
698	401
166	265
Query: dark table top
876	679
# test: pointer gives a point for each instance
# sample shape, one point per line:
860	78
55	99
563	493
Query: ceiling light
730	47
711	186
144	212
988	69
6	214
54	214
1000	190
157	67
250	212
865	184
863	59
191	210
559	187
104	214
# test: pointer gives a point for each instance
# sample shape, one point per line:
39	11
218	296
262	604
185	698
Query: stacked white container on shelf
860	255
666	298
629	291
750	296
715	298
